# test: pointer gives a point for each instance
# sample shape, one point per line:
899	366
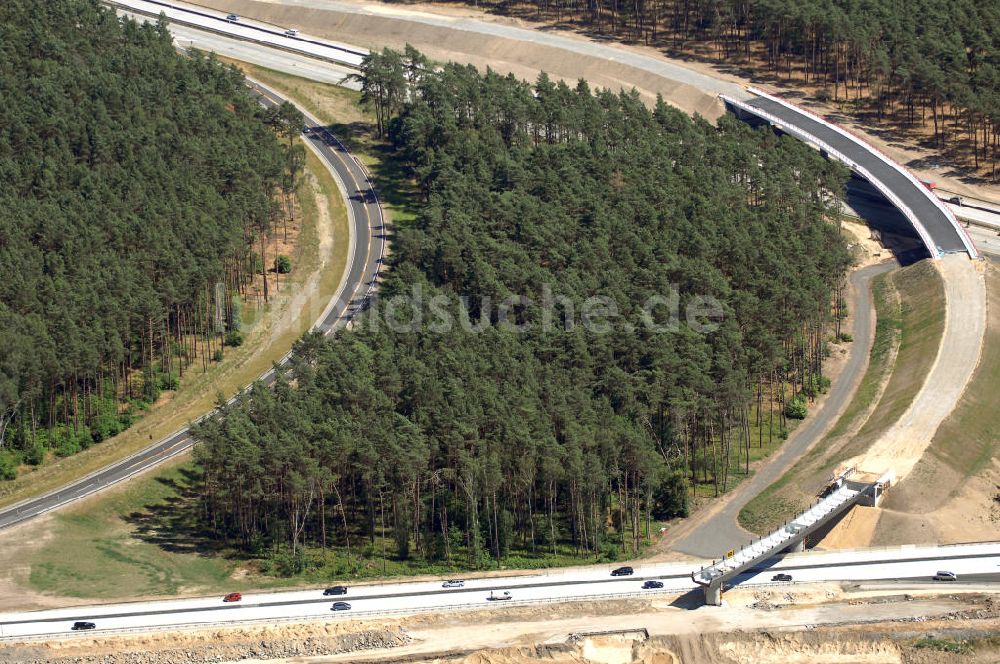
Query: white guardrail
889	161
779	537
269	37
863	172
343	616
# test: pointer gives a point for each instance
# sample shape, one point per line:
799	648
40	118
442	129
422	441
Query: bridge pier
713	594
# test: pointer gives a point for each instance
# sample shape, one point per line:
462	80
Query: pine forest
482	408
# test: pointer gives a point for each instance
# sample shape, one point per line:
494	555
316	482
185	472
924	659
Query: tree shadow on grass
174	524
392	181
396	186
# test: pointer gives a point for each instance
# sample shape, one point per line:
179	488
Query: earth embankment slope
495	42
950	495
902	446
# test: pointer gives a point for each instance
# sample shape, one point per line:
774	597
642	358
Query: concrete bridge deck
849	489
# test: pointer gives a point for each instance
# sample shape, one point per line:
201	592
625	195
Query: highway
208	20
288	62
910	564
367	238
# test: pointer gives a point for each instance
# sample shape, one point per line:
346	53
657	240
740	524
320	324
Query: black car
340	606
650	585
336	590
623	571
781	577
80	624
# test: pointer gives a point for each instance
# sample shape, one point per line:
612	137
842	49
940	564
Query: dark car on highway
650	585
622	571
781	577
336	590
82	624
340	606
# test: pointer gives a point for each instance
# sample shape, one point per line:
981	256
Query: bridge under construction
849	488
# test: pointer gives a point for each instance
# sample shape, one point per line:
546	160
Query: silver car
454	583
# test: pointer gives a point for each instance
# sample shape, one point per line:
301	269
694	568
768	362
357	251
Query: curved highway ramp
931	219
367	238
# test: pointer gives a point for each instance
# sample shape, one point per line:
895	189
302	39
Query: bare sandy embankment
453	34
958	355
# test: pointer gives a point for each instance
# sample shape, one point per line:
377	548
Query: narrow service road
717	531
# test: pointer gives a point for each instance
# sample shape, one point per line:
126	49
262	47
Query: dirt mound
854	531
806	648
547	654
273	642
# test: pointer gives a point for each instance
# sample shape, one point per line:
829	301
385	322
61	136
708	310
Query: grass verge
885	344
910	309
143	540
108	561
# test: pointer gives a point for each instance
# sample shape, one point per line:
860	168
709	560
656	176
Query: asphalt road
715	533
988	241
943	232
289	62
976	563
365	258
261	34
